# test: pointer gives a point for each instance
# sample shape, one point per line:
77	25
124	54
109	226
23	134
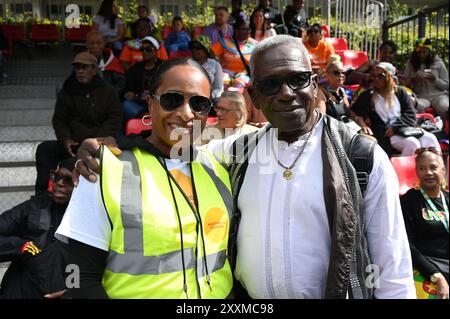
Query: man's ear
253	96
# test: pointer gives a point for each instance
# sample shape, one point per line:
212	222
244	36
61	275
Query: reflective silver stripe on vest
134	262
222	188
214	261
131	204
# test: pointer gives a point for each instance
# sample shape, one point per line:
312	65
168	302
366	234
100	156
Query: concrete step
10	199
13	177
17	152
34	79
3	268
27	91
26	133
27	104
27	118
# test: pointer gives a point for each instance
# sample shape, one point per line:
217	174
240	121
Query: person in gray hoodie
427	76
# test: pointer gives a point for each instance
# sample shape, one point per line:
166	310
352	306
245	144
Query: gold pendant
287	174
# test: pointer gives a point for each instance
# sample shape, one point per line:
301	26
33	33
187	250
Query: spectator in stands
201	53
236	12
386	111
86	107
234	55
428	77
178	39
319	49
387	52
260	27
138	80
117	255
295	18
109	25
27	239
143	13
131	52
270	13
232	117
425	210
109	66
331	97
220	28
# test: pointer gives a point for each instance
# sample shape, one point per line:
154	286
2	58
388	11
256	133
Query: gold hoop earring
143	120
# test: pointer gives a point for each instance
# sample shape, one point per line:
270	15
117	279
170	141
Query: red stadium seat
77	35
429	110
426	116
353	59
16	32
44	33
405	167
326	30
339	44
211	120
135	126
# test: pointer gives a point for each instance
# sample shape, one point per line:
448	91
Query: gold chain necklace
288	173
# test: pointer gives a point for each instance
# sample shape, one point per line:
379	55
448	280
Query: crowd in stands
116	80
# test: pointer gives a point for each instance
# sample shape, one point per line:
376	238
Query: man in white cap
137	79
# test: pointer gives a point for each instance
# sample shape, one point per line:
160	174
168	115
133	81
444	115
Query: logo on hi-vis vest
215	225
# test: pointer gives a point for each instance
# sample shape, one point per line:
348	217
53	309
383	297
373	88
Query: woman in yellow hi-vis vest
154	226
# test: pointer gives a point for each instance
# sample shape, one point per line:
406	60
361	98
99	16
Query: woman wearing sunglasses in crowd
137	80
425	210
331	97
155	225
386	110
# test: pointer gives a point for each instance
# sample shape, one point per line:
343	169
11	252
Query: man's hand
55	295
442	287
257	124
68	144
389	132
86	164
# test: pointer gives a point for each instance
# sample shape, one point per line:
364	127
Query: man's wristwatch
434	277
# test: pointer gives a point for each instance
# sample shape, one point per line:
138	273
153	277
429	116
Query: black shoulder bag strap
247	68
361	156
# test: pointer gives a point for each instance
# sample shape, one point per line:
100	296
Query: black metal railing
431	23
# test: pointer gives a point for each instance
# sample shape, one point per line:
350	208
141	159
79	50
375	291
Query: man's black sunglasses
170	101
272	86
66	179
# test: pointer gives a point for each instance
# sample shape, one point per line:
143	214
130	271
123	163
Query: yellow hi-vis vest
145	258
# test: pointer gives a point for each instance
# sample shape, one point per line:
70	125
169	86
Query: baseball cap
84	58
